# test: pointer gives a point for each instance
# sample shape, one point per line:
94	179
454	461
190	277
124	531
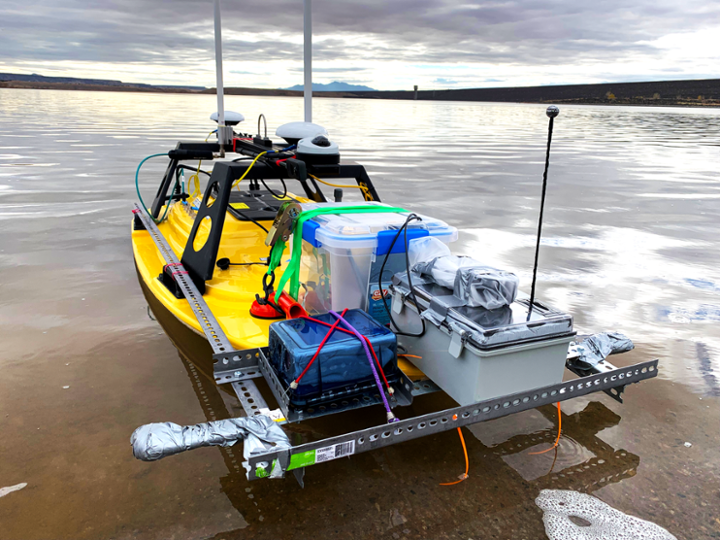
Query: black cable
272	192
410	284
197	170
285	192
242	159
411	217
248	218
224	263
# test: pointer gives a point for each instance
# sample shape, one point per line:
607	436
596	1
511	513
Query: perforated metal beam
230	365
413	428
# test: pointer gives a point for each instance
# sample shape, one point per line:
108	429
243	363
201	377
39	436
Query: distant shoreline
695	93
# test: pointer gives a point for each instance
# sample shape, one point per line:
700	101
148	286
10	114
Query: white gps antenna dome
318	150
232	118
292	132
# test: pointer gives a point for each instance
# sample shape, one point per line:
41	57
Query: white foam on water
6	490
569	515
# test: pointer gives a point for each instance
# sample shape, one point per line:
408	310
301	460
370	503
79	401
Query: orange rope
558	436
409	356
467	462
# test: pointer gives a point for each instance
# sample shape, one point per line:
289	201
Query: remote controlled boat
340	302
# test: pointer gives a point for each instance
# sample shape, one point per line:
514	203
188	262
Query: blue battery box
341	366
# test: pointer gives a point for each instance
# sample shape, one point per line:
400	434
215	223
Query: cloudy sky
383	44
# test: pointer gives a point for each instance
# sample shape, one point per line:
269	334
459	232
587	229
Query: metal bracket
413	428
601	367
236	366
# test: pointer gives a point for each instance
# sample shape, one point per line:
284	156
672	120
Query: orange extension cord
558	436
463	476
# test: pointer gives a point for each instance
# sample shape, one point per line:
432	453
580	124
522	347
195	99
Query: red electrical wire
372	350
322	343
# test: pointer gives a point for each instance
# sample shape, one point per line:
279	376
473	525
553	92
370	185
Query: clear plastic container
342	255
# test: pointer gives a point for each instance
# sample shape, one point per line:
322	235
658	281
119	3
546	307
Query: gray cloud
179	32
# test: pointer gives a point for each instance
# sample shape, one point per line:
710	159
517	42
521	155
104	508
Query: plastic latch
457	342
398	302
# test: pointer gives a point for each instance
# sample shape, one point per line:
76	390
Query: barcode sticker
334	452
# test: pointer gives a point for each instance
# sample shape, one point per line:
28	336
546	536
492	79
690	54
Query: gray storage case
475	354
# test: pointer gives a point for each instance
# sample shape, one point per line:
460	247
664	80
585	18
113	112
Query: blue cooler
341	366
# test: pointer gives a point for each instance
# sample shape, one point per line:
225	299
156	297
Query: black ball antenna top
552	111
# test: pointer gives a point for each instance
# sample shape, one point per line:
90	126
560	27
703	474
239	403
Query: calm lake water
630	244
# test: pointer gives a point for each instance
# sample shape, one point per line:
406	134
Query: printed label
334	452
304	459
376	308
240	206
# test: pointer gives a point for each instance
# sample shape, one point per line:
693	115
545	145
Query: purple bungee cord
390	416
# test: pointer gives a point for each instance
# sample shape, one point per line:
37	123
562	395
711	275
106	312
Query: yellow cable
366	191
248	169
195	178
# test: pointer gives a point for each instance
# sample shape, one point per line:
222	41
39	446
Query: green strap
293	269
276	256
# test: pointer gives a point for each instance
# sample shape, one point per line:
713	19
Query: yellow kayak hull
230	293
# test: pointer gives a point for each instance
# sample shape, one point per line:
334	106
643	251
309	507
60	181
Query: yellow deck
230	293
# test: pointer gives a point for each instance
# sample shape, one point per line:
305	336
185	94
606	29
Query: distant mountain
68	80
335	86
35	78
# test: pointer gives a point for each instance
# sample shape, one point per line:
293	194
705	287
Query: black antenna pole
552	111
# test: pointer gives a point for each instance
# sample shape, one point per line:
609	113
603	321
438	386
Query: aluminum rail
413	428
230	366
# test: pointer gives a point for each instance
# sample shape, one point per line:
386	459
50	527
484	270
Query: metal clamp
283	224
458	338
398	301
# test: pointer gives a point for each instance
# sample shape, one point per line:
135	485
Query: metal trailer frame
239	368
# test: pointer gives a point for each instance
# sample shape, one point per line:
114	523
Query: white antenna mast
224	132
308	58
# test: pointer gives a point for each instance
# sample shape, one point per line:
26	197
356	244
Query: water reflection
630	244
582	462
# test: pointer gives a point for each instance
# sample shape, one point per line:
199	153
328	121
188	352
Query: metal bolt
238	373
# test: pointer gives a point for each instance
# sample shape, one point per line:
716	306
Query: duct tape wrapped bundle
473	283
260	433
484	286
596	348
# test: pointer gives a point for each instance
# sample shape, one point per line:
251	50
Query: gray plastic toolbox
475	354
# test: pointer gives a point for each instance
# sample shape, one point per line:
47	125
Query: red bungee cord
333	327
372	350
